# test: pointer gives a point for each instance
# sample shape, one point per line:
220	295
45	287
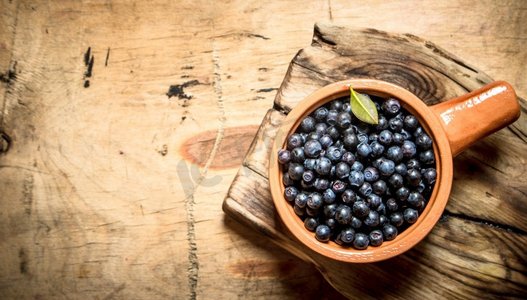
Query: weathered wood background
115	161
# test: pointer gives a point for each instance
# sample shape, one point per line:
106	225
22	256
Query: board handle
471	117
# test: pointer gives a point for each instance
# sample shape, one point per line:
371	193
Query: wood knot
5	142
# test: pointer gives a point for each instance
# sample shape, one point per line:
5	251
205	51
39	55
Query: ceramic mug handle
473	116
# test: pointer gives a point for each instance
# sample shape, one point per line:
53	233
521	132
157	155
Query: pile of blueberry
354	183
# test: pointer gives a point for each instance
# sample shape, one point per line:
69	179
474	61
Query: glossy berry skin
348	197
395	154
346	236
356	222
415	199
361	241
385	137
330	210
357	166
365	189
413	164
391	205
391	106
383	123
410	123
427	157
320	129
413	177
301	200
379	187
312	148
307	124
343	214
343	120
373	137
395	124
364	149
294	140
310	164
299	211
290	193
360	209
410	215
338	186
284	156
374	201
321	184
402	194
286	180
297	155
430	176
295	171
409	149
342	170
310	223
423	141
396	219
336	105
376	149
396	181
333	132
334	153
331	119
362	137
383	220
322	233
398	138
372	219
314	201
401	169
386	167
320	114
376	238
329	196
356	178
331	223
308	176
348	158
371	174
325	141
389	232
323	166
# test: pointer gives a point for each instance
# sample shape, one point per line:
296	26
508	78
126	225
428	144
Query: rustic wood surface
114	161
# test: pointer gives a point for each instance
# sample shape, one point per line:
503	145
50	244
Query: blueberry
363	149
301	200
311	212
396	181
343	120
394	153
423	141
360	209
396	219
310	164
330	210
332	171
398	138
331	223
331	119
401	169
350	141
335	105
314	201
329	196
320	114
376	149
389	232
342	170
338	186
313	136
395	124
365	189
346	106
413	164
284	156
363	138
286	180
385	137
294	140
418	131
391	106
322	233
348	197
355	222
308	176
320	129
408	148
323	166
379	187
357	166
415	199
430	175
325	140
427	157
343	214
334	153
321	184
410	215
356	178
346	236
383	220
295	171
374	201
410	123
386	167
376	238
373	137
333	132
297	155
406	135
413	177
421	187
372	219
382	123
307	124
310	223
348	158
371	174
402	194
391	204
361	241
290	193
312	148
299	211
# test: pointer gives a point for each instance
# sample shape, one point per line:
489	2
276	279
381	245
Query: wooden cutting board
478	247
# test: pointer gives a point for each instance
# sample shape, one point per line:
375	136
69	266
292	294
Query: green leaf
363	108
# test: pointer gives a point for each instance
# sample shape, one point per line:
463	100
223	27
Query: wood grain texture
474	248
99	197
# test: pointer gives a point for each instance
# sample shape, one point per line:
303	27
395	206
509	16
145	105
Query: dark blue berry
320	114
383	220
363	149
376	238
312	148
385	137
395	125
325	140
348	158
423	141
322	233
361	241
389	232
401	169
323	166
408	148
331	223
373	137
342	170
329	196
343	120
406	135
365	189
402	194
313	136
295	171
301	200
355	222
383	123
335	105
346	236
418	131
343	214
413	164
372	219
394	153
398	138
334	153
415	199
348	197
308	176
396	219
286	180
374	201
391	106
379	187
376	149
294	140
297	155
371	174
391	205
310	164
333	132
308	124
314	201
338	186
410	215
321	184
360	209
396	181
386	167
311	212
357	166
350	141
346	106
290	193
331	119
363	138
356	178
284	156
410	123
330	210
310	223
320	129
430	175
413	177
427	157
299	211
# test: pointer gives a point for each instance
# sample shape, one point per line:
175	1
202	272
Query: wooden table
124	123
